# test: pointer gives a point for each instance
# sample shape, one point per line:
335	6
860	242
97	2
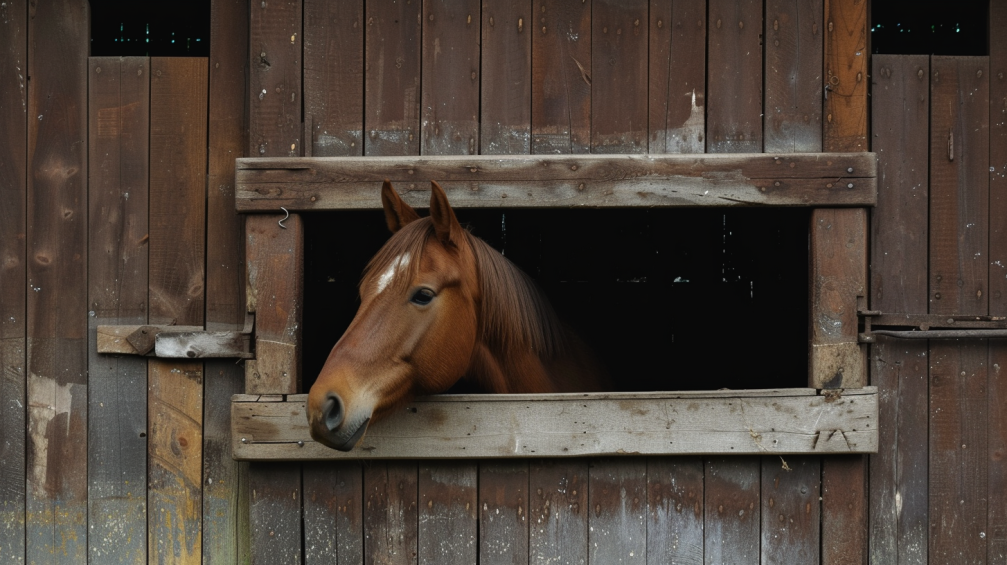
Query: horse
438	305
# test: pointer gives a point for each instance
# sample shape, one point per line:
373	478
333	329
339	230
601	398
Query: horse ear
446	225
397	212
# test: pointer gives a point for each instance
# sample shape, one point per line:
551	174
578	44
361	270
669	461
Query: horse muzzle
332	426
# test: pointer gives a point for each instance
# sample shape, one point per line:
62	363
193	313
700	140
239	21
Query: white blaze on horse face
386	277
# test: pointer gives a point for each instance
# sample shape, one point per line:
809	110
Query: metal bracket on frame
929	326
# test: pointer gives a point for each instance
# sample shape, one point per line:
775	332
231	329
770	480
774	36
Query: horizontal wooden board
542	181
567	425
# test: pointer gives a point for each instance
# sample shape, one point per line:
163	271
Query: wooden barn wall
116	178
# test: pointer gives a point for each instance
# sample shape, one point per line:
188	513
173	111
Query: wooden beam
544	181
566	425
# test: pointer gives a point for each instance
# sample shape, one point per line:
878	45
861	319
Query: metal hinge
929	326
177	342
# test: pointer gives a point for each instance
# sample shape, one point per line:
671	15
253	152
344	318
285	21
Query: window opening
153	29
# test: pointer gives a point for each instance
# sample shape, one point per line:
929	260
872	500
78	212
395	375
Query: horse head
416	327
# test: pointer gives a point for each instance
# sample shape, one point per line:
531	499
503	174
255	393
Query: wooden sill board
547	181
752	422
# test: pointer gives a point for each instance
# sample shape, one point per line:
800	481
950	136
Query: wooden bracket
176	342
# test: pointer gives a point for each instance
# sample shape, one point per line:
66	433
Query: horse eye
422	297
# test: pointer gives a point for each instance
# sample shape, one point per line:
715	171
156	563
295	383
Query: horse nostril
333	412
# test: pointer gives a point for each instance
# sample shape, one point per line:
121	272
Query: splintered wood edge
784	421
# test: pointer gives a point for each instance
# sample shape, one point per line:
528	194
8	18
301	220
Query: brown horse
439	304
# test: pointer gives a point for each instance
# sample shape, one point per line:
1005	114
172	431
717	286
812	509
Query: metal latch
929	326
177	342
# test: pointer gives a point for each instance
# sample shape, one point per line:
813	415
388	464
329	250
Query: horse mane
513	314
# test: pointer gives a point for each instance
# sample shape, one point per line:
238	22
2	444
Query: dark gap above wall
930	27
180	28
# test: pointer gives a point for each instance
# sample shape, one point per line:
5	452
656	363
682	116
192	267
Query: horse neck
521	371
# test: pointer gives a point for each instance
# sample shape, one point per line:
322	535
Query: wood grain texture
227	132
56	306
561	80
558	512
847	51
542	182
450	78
734	77
959	185
274	112
392	80
996	527
958	451
844	510
13	192
333	513
998	159
505	93
839	276
675	499
275	266
503	512
793	76
899	223
118	126
390	512
334	76
619	111
275	513
468	426
447	529
178	134
899	510
791	510
733	507
617	511
677	76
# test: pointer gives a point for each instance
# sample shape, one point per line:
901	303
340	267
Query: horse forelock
513	313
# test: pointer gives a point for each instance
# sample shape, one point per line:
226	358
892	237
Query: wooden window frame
836	413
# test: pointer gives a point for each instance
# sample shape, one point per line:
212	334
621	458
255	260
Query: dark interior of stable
669	299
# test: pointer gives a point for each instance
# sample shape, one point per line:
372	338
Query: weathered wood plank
275	263
390	512
392	116
503	512
793	97
275	78
676	507
559	512
959	185
333	513
275	513
839	276
898	472
791	510
677	75
733	509
846	60
56	306
450	78
447	531
844	510
958	451
505	94
518	181
788	421
561	81
334	76
178	118
202	345
125	339
734	79
118	110
996	528
13	192
619	96
617	511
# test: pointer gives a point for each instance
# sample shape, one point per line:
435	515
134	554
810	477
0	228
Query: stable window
639	197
